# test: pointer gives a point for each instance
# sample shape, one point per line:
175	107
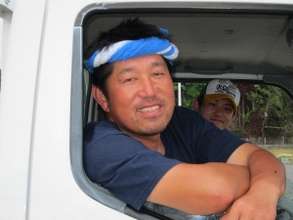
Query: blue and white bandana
127	49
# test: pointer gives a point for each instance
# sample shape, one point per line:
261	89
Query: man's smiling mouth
150	108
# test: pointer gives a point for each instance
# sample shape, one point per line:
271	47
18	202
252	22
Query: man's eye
158	74
229	110
129	80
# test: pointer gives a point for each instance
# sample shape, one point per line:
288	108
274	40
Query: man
150	150
218	102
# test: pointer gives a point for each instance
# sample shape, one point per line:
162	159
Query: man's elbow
215	202
220	198
221	202
227	193
228	190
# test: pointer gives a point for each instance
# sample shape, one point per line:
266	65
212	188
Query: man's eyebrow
153	64
159	63
125	70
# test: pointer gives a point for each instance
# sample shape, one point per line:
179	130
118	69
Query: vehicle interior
250	44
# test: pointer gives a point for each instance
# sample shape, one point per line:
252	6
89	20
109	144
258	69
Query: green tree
189	92
269	112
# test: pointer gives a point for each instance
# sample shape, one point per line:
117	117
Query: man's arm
201	188
267	184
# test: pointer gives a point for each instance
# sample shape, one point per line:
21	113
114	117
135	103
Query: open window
264	117
248	43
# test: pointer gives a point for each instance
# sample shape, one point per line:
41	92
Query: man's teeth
149	109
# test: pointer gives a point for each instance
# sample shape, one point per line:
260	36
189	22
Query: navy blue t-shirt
130	171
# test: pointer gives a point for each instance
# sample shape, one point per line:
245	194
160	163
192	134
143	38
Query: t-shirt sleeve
125	167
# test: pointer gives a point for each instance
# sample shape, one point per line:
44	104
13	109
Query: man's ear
100	98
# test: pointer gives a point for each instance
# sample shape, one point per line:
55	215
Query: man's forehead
224	100
149	60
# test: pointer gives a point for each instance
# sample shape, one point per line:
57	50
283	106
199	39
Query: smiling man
149	150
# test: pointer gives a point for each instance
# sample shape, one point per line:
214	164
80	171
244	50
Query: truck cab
45	100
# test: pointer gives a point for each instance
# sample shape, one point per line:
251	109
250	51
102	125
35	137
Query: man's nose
219	110
147	87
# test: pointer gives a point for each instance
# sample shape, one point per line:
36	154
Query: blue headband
127	49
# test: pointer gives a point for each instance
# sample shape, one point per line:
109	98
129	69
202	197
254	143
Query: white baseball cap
221	88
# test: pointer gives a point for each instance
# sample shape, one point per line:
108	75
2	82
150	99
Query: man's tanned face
140	96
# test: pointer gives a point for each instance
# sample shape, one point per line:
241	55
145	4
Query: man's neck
152	142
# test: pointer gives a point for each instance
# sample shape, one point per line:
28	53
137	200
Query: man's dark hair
131	29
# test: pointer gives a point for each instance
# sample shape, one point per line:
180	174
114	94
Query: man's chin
152	127
151	131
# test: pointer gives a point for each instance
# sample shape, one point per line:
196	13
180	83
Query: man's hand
256	204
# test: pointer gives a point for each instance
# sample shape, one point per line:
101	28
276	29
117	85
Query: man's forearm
263	167
266	171
201	188
267	184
